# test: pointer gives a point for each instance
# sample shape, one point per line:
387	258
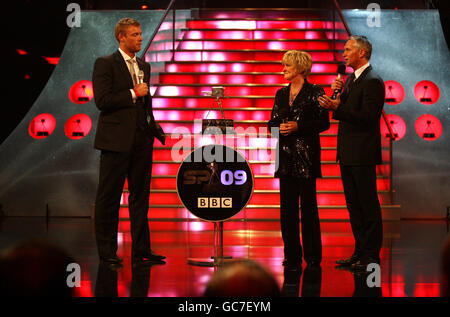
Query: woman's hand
288	128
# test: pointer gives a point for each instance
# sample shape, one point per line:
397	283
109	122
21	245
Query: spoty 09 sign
216	186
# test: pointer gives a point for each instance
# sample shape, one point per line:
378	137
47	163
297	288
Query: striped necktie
132	71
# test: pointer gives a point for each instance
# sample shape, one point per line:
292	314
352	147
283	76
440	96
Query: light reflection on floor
409	258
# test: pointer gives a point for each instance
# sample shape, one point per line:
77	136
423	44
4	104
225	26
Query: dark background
39	29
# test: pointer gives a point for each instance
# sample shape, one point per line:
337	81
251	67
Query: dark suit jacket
299	153
118	114
359	139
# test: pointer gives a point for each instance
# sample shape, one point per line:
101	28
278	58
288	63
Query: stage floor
409	258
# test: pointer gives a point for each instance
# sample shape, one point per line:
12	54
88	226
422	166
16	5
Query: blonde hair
301	60
123	24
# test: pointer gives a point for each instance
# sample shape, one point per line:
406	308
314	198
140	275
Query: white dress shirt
136	69
360	70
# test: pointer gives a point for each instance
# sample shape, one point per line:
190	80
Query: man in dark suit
358	110
125	134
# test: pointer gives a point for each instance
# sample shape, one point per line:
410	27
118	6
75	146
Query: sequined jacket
299	153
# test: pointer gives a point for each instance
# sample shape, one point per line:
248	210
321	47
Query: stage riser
253	214
293	34
258	199
331	183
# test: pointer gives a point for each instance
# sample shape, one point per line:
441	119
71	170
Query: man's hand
338	84
288	128
328	103
141	89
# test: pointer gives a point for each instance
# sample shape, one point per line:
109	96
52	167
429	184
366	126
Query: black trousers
115	167
290	191
360	188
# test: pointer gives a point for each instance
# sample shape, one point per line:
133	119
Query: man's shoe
292	264
150	258
112	260
154	256
347	262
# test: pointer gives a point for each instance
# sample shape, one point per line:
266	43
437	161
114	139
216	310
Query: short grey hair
363	43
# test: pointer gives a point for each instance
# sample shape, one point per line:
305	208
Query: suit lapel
361	77
121	64
350	86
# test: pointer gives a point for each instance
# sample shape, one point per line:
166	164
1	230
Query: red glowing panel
52	60
428	127
42	126
398	126
324	68
21	52
188	56
426	92
194	35
78	126
232	24
81	92
191	45
394	92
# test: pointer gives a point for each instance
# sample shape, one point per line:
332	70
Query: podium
214	182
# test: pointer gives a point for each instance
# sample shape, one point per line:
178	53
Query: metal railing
158	28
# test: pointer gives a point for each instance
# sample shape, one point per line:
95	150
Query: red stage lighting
42	126
394	92
78	126
426	92
52	60
81	92
21	52
398	127
428	127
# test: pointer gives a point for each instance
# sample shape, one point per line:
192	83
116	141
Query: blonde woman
300	118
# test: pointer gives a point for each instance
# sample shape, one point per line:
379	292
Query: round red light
397	124
78	126
42	126
426	92
81	92
394	92
428	127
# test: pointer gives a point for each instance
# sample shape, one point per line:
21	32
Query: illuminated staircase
241	50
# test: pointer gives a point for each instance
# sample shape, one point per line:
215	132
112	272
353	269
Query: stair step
276	44
259	168
269	182
230	91
323	199
196	102
242	66
261	23
266	13
262	55
278	33
219	78
171	212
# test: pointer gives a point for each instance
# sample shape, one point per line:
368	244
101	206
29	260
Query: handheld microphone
341	71
140	76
